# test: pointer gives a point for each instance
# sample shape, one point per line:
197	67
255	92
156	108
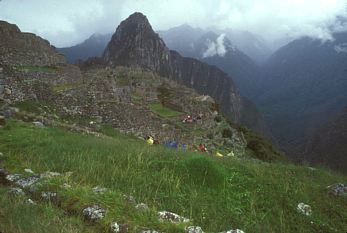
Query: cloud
63	22
66	22
341	48
215	48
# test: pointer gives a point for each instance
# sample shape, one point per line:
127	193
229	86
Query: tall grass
217	194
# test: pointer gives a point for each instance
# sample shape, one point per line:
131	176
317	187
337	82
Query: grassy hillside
215	193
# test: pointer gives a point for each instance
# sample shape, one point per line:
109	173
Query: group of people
175	145
190	119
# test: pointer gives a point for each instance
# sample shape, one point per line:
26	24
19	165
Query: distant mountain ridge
91	47
183	38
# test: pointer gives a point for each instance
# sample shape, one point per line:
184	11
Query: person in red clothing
202	148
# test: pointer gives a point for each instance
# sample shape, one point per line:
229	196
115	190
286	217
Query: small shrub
227	133
218	119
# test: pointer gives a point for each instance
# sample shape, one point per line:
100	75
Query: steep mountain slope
219	50
304	86
136	44
328	145
92	47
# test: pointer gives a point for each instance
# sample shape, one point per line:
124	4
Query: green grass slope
215	193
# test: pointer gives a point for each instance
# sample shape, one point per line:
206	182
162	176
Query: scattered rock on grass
27	182
338	190
142	207
233	231
49	196
30	202
99	190
130	199
304	209
13	177
38	124
194	229
94	212
49	174
16	191
171	217
65	186
149	231
119	228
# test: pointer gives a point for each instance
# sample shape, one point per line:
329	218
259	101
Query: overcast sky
67	22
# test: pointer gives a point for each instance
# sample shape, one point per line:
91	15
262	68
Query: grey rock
99	190
130	199
338	190
30	202
13	177
38	124
194	229
233	231
49	196
142	207
7	91
65	186
119	228
49	174
27	182
171	217
304	209
94	212
150	231
16	191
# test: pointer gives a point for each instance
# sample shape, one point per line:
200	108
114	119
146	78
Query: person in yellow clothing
150	140
219	154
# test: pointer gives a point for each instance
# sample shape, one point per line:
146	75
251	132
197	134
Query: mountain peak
137	17
135	43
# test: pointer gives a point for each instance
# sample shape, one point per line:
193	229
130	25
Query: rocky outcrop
30	67
17	47
136	44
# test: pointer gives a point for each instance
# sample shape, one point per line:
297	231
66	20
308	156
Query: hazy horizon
67	23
